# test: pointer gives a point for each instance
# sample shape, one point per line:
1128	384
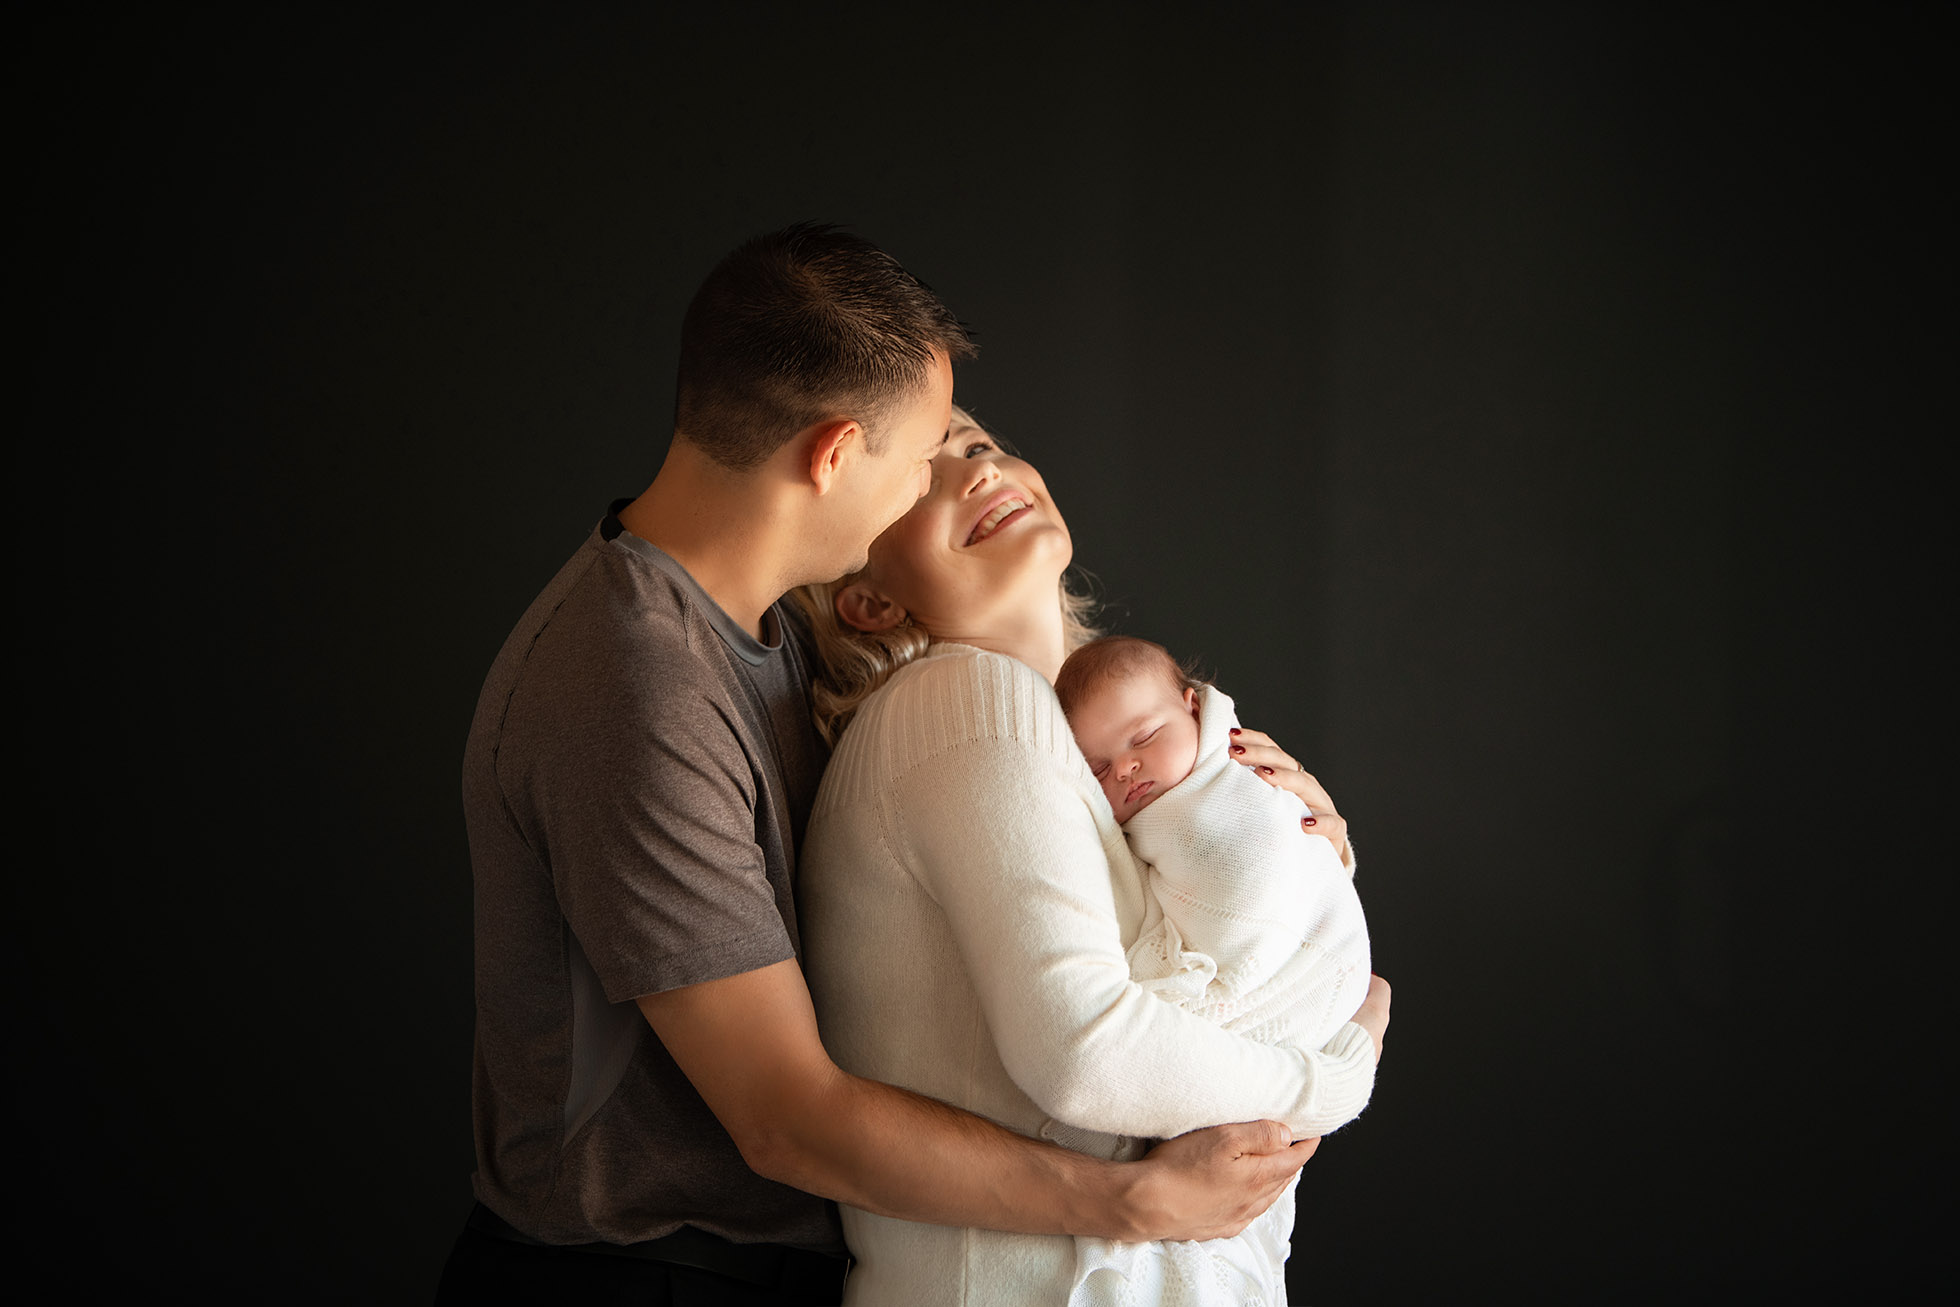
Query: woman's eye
978	447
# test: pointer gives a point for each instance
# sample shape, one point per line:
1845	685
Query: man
654	1110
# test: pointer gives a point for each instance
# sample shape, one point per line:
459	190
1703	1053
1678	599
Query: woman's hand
1373	1014
1279	769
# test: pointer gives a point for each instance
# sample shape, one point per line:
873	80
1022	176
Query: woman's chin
1029	545
1049	540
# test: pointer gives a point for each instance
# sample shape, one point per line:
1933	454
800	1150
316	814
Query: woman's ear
863	609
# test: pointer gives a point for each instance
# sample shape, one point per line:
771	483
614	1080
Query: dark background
1529	415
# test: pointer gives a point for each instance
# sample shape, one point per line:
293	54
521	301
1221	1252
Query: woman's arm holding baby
1017	861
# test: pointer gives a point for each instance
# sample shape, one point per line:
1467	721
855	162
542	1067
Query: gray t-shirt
637	775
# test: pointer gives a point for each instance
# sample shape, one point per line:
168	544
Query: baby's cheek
1189	762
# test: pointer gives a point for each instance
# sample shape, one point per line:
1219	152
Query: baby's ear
1191	700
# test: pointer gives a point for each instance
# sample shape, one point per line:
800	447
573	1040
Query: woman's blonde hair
852	664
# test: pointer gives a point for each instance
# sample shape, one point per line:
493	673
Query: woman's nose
984	475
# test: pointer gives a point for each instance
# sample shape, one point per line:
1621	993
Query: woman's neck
1039	640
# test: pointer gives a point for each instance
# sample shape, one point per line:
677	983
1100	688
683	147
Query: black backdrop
1494	402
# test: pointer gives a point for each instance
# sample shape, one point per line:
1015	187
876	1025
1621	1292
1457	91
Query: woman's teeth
994	518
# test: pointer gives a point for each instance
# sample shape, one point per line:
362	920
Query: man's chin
831	572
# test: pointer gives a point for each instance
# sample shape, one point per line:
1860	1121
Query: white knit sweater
967	900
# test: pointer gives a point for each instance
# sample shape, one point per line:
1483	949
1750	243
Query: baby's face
1140	735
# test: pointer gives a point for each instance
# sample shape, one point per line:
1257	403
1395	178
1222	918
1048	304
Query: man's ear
828	451
864	609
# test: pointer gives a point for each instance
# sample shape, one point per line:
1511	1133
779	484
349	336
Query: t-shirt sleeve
651	836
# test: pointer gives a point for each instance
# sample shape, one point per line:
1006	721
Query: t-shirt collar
745	646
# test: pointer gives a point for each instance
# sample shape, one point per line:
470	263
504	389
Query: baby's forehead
1117	664
1159	670
1110	679
1114	689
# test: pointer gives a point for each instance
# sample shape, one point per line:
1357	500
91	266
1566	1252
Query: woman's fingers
1331	827
1321	818
1256	748
1279	769
1293	780
1266	755
1373	1014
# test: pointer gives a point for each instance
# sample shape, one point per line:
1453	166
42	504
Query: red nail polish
1309	821
1238	748
1235	730
1267	770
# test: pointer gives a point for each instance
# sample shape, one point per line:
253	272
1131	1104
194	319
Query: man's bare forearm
749	1045
900	1154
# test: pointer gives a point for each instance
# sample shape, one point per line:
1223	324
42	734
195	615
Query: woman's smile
1008	504
976	561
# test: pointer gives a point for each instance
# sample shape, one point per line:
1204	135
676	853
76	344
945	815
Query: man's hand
1210	1184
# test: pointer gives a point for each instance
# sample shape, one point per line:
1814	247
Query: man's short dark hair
799	325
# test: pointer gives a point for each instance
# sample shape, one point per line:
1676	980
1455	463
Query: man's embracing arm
749	1044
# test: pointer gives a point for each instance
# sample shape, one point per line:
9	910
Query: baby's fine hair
1112	658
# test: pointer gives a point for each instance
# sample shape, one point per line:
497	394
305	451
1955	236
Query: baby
1255	924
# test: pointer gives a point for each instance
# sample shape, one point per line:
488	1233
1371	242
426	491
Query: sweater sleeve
1001	832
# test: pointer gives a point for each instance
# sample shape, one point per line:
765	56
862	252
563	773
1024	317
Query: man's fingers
1261	1137
1274	1171
1273	1168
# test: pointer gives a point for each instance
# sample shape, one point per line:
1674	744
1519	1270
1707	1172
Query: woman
966	895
